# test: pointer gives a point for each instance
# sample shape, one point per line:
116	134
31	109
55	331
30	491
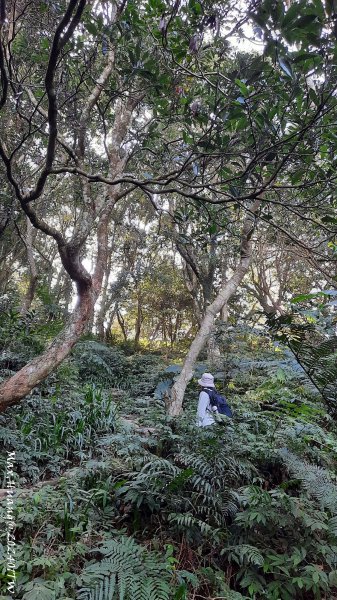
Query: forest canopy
155	112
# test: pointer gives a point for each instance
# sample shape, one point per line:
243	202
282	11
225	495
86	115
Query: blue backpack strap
209	392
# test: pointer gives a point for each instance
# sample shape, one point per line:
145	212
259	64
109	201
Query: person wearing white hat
204	411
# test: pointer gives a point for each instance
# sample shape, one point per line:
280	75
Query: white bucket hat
207	380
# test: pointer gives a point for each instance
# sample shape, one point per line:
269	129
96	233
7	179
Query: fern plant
128	571
314	479
99	363
313	342
191	490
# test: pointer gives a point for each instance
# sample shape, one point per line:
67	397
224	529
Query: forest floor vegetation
116	500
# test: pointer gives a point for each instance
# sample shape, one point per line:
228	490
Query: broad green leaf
291	15
305	20
92	28
243	88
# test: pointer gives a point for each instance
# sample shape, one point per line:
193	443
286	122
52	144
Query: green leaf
243	88
91	27
156	4
45	43
212	229
305	20
328	219
305	297
298	581
291	15
195	6
187	138
333	578
304	56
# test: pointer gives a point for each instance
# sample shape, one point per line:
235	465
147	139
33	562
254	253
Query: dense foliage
168	196
145	163
116	500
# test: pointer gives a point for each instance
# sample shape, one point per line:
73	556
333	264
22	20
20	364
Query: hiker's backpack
219	402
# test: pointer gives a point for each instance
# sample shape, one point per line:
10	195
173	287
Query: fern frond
127	572
314	479
188	521
244	554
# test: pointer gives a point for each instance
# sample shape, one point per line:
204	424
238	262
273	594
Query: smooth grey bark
175	401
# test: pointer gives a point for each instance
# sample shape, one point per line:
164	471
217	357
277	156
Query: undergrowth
116	500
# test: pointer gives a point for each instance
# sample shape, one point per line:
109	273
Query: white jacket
204	416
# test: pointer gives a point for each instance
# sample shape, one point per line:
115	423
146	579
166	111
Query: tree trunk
105	300
224	313
174	404
17	387
191	282
213	349
67	292
175	401
100	322
154	332
214	355
33	275
139	321
121	323
108	329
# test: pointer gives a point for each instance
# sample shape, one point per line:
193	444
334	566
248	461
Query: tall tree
122	96
40	110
